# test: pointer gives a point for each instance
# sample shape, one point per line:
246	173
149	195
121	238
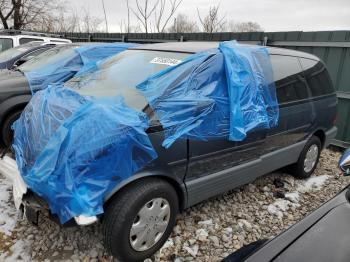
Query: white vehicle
12	38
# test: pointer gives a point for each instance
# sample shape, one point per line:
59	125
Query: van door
297	113
211	170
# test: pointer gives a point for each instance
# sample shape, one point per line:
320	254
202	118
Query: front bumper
24	199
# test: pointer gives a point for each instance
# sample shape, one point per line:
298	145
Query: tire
300	169
7	132
123	212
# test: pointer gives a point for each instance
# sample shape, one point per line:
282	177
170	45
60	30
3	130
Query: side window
5	43
34	53
317	77
288	78
25	40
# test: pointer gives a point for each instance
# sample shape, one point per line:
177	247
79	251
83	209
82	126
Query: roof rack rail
21	32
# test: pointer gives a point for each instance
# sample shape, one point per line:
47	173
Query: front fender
177	183
14	102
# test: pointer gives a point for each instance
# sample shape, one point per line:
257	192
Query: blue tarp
191	99
251	87
83	59
83	148
221	93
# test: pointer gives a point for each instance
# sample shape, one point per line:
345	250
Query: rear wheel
308	159
7	132
140	219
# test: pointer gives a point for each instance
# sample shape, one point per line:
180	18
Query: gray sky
272	15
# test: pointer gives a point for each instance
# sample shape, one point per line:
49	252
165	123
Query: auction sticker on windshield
165	61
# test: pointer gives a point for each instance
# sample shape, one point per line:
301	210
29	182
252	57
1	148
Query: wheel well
172	182
321	135
9	112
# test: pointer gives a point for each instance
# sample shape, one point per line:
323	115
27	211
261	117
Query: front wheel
7	132
140	219
308	159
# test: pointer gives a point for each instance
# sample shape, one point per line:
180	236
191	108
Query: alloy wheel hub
150	224
310	158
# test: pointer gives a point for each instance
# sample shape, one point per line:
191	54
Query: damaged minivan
159	128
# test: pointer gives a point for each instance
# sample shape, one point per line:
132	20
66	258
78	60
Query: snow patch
292	197
8	212
312	184
19	252
280	206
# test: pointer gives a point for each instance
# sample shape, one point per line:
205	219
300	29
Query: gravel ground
207	232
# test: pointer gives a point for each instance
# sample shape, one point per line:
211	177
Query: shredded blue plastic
221	93
83	59
83	148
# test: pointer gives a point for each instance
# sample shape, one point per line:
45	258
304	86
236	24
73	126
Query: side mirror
344	162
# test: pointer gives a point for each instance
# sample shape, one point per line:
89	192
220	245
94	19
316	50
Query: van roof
195	47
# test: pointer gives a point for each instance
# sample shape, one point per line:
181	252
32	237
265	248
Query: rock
278	182
193	251
215	241
202	234
225	238
228	230
68	248
93	253
205	223
192	241
266	189
279	194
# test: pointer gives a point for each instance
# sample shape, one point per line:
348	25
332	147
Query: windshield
49	57
121	74
13	52
5	43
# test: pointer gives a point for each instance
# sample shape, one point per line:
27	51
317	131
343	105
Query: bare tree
244	27
6	11
143	13
164	13
212	22
90	23
182	24
27	13
128	9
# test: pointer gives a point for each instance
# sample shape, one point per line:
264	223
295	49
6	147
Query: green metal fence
333	47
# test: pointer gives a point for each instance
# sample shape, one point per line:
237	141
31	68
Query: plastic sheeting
191	99
251	87
83	148
84	59
221	93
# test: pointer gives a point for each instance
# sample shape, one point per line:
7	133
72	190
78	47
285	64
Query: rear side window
288	78
5	43
317	77
25	40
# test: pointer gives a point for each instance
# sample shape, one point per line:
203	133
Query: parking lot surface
207	232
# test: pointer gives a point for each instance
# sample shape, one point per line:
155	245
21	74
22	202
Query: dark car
56	64
18	55
323	235
141	211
